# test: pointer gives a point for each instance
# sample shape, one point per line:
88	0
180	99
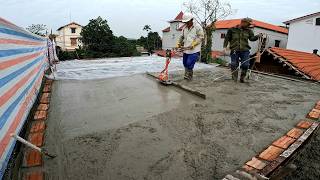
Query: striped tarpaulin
23	60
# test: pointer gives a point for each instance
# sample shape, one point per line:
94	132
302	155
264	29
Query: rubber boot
234	74
190	74
243	75
185	73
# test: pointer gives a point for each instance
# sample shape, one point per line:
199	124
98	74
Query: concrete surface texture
114	67
133	128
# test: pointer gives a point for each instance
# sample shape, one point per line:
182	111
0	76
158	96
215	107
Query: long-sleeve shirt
238	38
192	37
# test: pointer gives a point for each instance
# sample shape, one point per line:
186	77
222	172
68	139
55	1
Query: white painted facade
217	40
170	39
67	34
304	34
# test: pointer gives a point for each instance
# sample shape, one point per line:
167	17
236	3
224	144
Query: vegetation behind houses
99	42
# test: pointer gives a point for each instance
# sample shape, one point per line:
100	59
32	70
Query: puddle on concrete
84	107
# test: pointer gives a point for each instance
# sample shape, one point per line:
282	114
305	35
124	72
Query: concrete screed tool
164	75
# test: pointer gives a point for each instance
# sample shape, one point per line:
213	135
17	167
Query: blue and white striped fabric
23	60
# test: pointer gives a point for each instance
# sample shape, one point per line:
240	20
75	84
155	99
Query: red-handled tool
164	75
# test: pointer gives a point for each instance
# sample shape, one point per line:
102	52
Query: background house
277	36
172	33
68	36
304	33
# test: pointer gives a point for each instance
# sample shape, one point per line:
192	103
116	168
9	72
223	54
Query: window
223	35
318	22
277	43
73	30
73	41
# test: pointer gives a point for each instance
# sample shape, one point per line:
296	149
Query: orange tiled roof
307	63
226	24
179	16
166	29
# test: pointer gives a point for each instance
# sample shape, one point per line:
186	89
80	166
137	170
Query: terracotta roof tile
179	16
307	63
166	29
226	24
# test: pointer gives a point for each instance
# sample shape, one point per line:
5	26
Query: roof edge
301	18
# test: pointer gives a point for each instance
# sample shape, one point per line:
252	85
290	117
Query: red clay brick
40	115
256	163
314	114
36	138
38	126
43	107
284	142
304	124
295	133
33	158
247	168
47	89
271	153
48	82
34	176
45	98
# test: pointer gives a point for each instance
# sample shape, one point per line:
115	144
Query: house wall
170	39
304	35
217	41
63	40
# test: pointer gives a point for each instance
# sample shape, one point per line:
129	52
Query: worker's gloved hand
194	44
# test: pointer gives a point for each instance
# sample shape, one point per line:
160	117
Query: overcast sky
127	17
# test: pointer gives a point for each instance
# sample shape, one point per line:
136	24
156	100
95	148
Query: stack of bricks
279	151
33	159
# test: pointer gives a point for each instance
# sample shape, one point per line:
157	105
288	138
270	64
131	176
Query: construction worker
237	39
190	43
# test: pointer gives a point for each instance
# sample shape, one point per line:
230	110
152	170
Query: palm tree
147	28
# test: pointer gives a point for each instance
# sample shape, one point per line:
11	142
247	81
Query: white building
277	36
304	33
172	33
68	36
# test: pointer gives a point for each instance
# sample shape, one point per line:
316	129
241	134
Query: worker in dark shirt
237	39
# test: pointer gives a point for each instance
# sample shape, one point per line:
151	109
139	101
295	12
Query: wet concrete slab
88	106
134	128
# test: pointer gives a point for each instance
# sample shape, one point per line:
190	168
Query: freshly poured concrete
84	107
133	128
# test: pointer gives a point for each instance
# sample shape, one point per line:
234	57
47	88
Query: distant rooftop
68	25
226	24
302	18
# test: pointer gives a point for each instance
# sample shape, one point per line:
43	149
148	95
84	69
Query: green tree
124	48
151	42
97	36
38	29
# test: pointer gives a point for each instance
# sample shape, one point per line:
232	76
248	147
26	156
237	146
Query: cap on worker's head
248	20
187	17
